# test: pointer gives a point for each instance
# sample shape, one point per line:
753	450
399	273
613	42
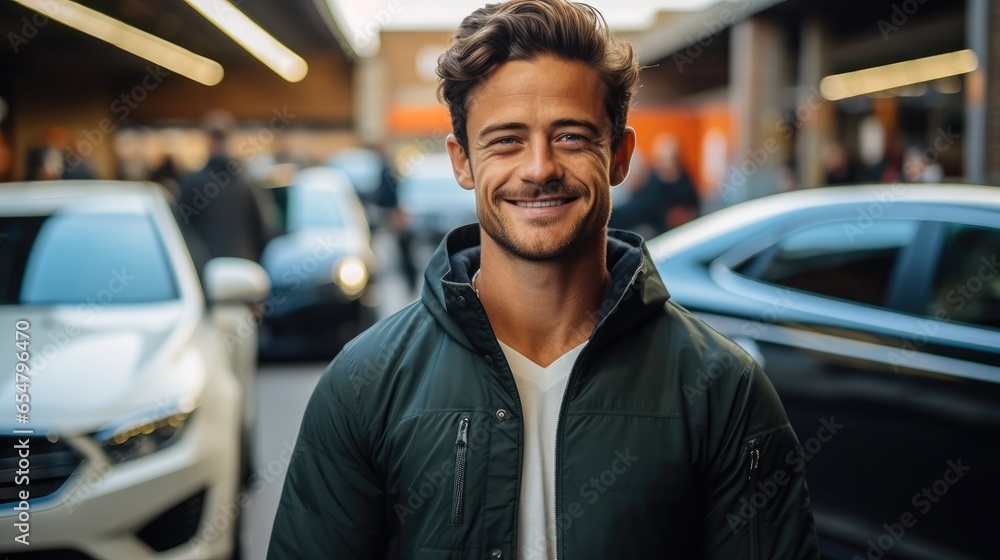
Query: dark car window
429	195
845	260
315	208
304	208
83	258
363	167
967	281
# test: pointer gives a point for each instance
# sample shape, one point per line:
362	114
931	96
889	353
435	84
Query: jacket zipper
753	454
569	386
461	456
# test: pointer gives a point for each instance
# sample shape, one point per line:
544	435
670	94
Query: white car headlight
142	434
351	274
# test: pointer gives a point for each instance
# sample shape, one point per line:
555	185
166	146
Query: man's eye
508	141
570	137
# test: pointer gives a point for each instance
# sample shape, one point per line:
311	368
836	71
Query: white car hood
89	367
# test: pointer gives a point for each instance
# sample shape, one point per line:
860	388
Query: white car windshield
79	257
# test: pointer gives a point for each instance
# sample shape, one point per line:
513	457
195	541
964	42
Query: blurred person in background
837	166
167	175
60	158
677	198
534	403
6	160
278	167
918	169
638	176
395	220
232	215
131	161
881	160
46	163
667	199
894	160
76	159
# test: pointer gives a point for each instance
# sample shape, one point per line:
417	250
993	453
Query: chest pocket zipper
753	456
461	457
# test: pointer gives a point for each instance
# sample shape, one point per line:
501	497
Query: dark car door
896	405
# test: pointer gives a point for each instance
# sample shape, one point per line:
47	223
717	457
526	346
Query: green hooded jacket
671	441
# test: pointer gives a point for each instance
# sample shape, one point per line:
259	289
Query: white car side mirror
235	280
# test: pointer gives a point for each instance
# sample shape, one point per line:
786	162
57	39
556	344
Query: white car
128	387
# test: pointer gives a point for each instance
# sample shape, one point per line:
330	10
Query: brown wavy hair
525	30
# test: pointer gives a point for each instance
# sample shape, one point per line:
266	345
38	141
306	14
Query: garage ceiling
31	41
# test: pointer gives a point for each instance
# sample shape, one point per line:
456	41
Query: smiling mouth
542	203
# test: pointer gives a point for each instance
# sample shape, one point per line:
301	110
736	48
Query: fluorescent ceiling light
361	32
128	38
361	21
251	37
445	15
881	78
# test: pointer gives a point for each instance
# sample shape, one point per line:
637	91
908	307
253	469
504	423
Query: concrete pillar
758	81
814	115
982	113
369	99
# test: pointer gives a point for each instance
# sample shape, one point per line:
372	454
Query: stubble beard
582	235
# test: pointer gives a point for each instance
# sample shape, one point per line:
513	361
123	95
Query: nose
540	166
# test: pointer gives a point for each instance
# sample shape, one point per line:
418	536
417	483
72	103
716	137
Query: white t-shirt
541	392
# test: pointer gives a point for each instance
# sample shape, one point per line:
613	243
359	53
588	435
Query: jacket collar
636	288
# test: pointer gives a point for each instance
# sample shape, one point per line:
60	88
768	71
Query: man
544	398
229	212
667	200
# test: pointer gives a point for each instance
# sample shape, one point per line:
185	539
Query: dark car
365	169
433	201
876	314
320	268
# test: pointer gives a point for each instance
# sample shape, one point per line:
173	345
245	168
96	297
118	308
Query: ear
621	158
460	163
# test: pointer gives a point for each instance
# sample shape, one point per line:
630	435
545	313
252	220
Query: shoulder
700	344
719	380
713	372
361	374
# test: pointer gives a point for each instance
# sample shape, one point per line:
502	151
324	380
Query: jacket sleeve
332	504
758	503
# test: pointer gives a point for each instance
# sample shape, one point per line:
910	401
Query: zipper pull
754	454
463	433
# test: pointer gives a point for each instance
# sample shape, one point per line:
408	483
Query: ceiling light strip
144	45
253	38
900	74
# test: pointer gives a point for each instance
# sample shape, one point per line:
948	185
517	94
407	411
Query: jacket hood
636	288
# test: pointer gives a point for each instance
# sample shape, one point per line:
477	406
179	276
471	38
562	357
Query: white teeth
540	204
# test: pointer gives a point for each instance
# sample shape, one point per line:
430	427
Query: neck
543	309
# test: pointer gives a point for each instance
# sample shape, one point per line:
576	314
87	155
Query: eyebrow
560	123
574	122
501	126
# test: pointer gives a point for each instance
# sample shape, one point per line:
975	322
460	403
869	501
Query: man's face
540	157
